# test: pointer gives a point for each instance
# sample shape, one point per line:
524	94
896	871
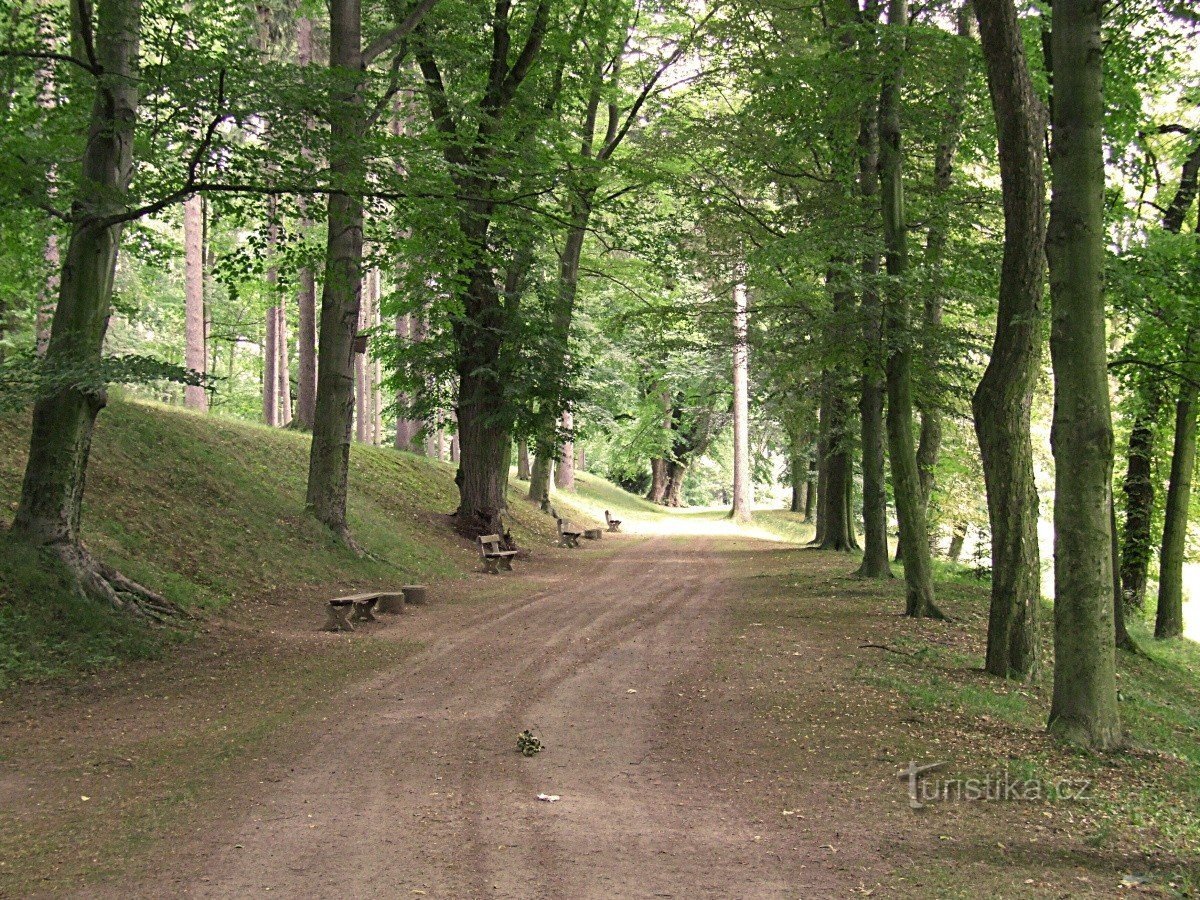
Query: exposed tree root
95	580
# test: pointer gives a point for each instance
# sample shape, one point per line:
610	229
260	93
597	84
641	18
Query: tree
743	488
481	329
1003	401
48	513
341	287
918	574
196	355
1084	705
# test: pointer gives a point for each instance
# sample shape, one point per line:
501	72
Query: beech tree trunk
539	475
341	288
875	562
676	472
564	472
743	487
658	481
1084	705
195	354
1003	401
1139	490
523	460
906	484
306	291
957	538
1122	637
1168	621
810	494
363	416
283	365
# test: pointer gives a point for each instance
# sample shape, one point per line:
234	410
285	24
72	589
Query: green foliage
528	744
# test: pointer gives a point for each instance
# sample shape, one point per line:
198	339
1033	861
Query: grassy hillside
209	511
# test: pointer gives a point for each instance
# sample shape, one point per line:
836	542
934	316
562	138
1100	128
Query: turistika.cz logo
1000	786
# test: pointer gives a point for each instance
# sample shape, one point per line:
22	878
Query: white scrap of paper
549	798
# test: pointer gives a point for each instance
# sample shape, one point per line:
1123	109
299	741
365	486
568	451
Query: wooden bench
493	557
342	612
613	524
568	535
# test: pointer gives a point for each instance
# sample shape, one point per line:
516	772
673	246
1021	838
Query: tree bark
875	561
306	292
810	494
1003	401
676	472
1124	641
1084	705
195	354
564	472
523	460
539	475
957	537
906	485
1168	621
341	288
743	487
1139	487
362	378
658	481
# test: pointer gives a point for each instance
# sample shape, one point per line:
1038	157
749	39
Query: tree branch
386	42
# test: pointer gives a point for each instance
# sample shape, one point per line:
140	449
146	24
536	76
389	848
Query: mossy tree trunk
1084	705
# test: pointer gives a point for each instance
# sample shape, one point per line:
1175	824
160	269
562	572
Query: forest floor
715	725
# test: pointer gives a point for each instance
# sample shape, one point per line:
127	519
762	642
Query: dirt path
415	787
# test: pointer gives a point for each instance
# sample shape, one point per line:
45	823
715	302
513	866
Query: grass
209	512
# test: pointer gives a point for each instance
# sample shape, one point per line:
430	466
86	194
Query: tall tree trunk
1004	398
1123	639
484	419
875	562
362	384
1139	487
306	350
822	462
810	494
283	366
957	538
676	472
270	360
1084	706
564	472
906	485
48	513
658	481
306	291
195	354
743	487
523	460
341	288
1168	621
539	475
